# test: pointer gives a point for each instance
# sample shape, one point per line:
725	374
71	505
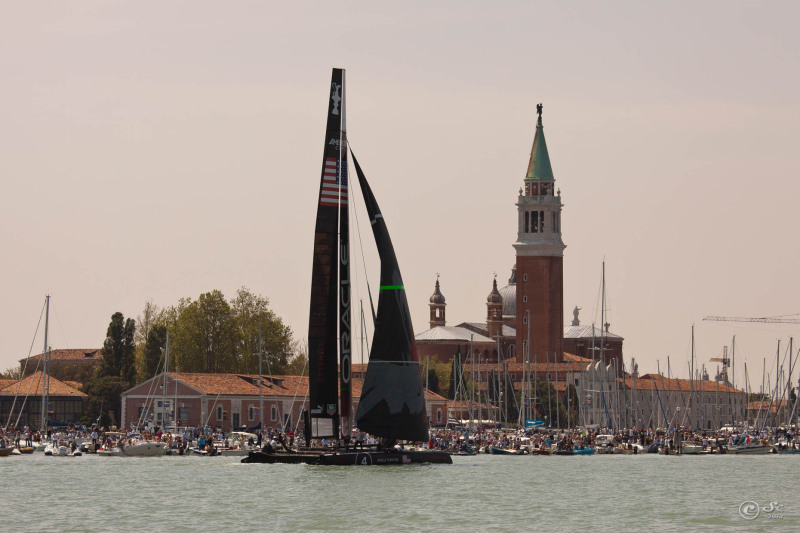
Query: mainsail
392	404
329	316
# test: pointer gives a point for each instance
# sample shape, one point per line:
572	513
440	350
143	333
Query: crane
725	360
764	319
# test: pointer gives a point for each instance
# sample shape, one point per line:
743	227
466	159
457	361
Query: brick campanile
540	259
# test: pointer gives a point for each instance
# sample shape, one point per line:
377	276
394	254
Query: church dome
509	295
437	297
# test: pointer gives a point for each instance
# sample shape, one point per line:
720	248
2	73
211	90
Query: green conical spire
539	166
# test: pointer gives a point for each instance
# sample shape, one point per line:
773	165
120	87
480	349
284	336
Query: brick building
230	401
23	399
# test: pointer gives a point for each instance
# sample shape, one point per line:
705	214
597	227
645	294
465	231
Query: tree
252	314
457	382
438	373
105	400
298	364
118	350
205	335
13	372
153	350
150	316
212	334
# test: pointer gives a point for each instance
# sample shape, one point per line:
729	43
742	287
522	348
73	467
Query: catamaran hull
386	458
365	458
283	458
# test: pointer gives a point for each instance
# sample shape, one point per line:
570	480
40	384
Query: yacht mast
45	379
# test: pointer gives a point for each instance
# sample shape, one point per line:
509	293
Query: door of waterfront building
235	421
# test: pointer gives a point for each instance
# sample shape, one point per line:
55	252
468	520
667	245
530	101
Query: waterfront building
614	399
230	402
65	404
72	364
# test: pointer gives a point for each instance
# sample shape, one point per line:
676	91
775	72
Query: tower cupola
437	305
494	312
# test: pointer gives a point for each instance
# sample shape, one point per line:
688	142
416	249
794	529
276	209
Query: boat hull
403	457
361	458
751	450
494	450
149	449
283	458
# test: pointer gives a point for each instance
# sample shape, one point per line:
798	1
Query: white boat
752	449
239	444
690	448
603	444
113	452
143	448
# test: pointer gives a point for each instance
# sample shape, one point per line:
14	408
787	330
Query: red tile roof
72	355
768	406
571	358
32	385
271	386
656	381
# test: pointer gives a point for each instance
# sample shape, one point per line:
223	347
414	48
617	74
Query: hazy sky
158	150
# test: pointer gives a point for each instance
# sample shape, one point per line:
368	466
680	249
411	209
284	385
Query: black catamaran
392	405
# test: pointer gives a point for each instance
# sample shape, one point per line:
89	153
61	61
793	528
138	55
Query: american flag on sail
334	183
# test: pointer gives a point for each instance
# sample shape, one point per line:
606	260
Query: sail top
539	165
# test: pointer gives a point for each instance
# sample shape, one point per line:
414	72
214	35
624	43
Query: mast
472	383
164	388
345	334
45	384
260	380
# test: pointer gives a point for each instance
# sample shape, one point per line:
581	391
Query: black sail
392	404
325	278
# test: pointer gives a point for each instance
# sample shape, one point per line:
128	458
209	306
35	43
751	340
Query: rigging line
60	325
294	399
150	396
25	367
361	248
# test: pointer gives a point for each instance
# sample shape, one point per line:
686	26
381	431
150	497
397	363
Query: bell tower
494	312
540	259
437	306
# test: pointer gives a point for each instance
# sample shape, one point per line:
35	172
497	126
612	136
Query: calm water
481	493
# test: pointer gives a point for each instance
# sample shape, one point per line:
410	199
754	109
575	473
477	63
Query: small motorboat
5	452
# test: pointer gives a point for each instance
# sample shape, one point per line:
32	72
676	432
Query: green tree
212	334
153	350
438	373
205	335
251	314
118	350
105	400
457	381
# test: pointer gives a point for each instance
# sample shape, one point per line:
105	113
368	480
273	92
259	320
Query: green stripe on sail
392	287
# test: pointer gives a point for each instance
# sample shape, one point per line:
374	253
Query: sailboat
392	404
